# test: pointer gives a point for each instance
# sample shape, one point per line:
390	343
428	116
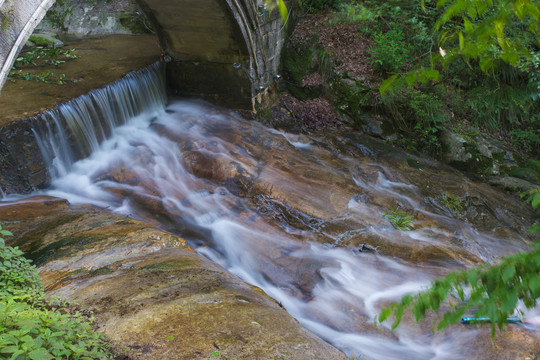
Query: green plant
468	30
489	291
27	332
317	5
40	41
526	139
495	103
420	114
481	33
59	14
531	66
280	4
349	13
17	275
30	326
399	219
264	114
351	96
430	119
452	202
533	197
47	77
5	22
390	50
41	56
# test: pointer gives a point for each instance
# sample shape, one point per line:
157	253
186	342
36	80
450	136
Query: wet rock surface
302	216
291	184
148	290
21	165
334	189
80	18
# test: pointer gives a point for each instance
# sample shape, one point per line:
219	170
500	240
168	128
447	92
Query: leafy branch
533	197
486	32
489	291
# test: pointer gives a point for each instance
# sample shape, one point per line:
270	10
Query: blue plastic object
472	319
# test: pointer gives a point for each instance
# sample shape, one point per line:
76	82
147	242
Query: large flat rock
149	291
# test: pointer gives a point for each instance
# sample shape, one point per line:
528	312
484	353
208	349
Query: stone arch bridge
226	51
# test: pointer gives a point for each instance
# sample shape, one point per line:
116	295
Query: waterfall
73	130
189	167
186	167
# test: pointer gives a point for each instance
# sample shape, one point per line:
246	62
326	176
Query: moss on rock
526	174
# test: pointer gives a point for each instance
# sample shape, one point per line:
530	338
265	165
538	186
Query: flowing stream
284	212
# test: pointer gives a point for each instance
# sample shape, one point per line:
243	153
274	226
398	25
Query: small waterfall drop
74	130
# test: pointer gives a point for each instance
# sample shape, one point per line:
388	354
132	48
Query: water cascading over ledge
33	150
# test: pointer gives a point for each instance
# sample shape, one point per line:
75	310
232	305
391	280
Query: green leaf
508	272
17	353
6	233
384	314
283	11
509	302
40	354
468	26
388	84
535	200
534	285
9	349
215	354
493	289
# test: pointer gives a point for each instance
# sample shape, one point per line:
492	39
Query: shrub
527	139
17	275
354	13
430	119
390	51
316	5
29	327
29	332
490	291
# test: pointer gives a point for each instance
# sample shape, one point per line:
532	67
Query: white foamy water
192	161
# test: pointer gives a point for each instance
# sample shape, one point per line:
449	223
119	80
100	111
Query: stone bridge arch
18	18
226	51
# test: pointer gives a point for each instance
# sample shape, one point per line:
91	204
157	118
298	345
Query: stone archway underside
226	51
